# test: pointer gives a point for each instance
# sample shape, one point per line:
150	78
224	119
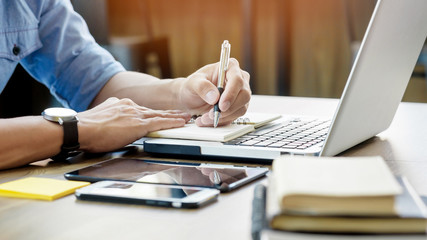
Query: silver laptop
381	71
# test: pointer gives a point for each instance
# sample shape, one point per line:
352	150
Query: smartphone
222	177
148	194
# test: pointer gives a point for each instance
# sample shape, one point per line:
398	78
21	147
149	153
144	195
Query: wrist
178	88
85	132
68	120
53	134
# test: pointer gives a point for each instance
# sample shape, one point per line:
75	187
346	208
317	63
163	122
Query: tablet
222	177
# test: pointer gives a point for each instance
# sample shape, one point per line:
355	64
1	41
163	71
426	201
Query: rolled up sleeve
70	63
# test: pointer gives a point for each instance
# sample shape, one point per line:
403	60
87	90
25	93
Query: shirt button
16	50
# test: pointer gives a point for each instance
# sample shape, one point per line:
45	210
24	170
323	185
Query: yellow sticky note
40	188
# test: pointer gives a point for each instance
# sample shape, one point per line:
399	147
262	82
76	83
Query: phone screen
145	191
146	171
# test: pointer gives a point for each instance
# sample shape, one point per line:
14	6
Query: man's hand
116	123
199	93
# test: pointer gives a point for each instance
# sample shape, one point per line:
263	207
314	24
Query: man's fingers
159	123
165	114
204	88
128	107
237	84
206	120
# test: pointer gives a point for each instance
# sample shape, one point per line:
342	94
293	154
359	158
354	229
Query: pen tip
216	119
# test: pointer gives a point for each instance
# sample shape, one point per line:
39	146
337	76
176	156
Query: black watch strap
71	140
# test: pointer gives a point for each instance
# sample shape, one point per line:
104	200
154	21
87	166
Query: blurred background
290	47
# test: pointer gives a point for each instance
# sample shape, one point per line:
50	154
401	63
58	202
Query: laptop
376	84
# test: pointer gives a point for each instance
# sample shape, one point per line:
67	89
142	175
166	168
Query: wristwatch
67	118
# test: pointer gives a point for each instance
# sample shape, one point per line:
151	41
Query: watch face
54	114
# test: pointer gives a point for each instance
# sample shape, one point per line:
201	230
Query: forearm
143	89
27	139
106	127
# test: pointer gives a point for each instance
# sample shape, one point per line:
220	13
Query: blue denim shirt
53	44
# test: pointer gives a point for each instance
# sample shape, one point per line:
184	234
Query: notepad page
193	132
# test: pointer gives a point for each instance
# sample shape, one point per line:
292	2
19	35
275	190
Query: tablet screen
138	170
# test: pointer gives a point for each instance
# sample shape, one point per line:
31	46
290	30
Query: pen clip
225	55
224	61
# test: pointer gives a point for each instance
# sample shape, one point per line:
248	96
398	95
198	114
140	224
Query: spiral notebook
241	126
257	119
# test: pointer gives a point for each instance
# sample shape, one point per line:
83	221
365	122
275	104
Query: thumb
206	90
212	96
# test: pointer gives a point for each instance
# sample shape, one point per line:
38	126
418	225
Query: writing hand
199	93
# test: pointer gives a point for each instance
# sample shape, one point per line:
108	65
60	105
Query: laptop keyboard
294	134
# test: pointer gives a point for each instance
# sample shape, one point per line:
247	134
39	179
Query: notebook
334	185
239	127
410	217
376	84
257	119
358	194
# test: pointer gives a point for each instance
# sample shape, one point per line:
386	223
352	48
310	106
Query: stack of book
341	195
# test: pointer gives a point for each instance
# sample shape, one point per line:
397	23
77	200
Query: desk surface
403	145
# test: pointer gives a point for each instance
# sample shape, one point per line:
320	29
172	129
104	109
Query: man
115	107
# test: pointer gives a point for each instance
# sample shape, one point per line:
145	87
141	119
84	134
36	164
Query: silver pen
223	66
